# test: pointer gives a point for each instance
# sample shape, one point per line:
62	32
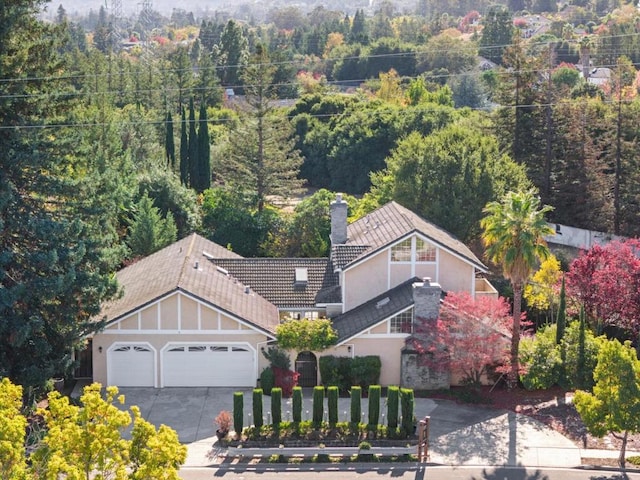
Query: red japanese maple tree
606	281
469	336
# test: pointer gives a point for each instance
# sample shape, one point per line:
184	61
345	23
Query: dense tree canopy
53	275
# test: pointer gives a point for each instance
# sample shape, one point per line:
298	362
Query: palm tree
513	233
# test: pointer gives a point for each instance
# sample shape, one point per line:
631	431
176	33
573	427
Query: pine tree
261	158
169	143
184	151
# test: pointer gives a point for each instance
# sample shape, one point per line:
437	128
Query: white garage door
208	365
131	365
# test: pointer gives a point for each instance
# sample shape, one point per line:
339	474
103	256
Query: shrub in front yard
267	380
238	411
374	406
393	394
407	406
356	404
257	407
296	402
276	406
344	372
332	404
318	405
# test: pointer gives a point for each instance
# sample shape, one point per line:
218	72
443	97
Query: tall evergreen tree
497	33
169	142
231	53
193	146
149	232
184	151
260	156
561	322
358	33
52	276
204	152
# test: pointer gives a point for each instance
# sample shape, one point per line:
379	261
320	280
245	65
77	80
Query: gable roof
275	279
392	222
184	266
374	311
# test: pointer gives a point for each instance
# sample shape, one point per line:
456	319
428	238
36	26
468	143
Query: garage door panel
209	365
131	366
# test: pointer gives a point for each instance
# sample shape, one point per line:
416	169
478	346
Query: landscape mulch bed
553	407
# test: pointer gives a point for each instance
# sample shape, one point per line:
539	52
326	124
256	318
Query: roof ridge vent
223	271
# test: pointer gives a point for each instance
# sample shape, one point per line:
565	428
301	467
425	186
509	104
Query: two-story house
196	314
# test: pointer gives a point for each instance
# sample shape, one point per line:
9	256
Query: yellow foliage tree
542	292
390	89
86	442
13	463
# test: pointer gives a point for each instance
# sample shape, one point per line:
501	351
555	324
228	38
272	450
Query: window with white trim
401	252
402	322
425	252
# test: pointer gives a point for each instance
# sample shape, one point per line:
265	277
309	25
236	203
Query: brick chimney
338	209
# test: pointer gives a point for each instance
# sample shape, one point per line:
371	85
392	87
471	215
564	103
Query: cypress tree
193	146
238	411
184	151
561	324
204	152
332	404
276	407
393	396
562	315
374	406
582	361
257	407
318	405
356	401
297	404
169	143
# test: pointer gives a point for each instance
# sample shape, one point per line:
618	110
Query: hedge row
345	372
397	399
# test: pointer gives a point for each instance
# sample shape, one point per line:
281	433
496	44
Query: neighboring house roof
275	279
184	266
391	222
374	311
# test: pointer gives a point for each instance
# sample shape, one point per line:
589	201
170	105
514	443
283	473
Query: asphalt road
402	472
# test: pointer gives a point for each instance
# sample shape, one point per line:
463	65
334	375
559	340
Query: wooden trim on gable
243	327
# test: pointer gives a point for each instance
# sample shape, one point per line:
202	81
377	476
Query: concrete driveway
459	434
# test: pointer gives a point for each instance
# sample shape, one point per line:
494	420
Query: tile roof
371	313
392	222
274	279
185	266
342	254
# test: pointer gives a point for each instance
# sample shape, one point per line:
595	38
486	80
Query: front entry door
307	367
